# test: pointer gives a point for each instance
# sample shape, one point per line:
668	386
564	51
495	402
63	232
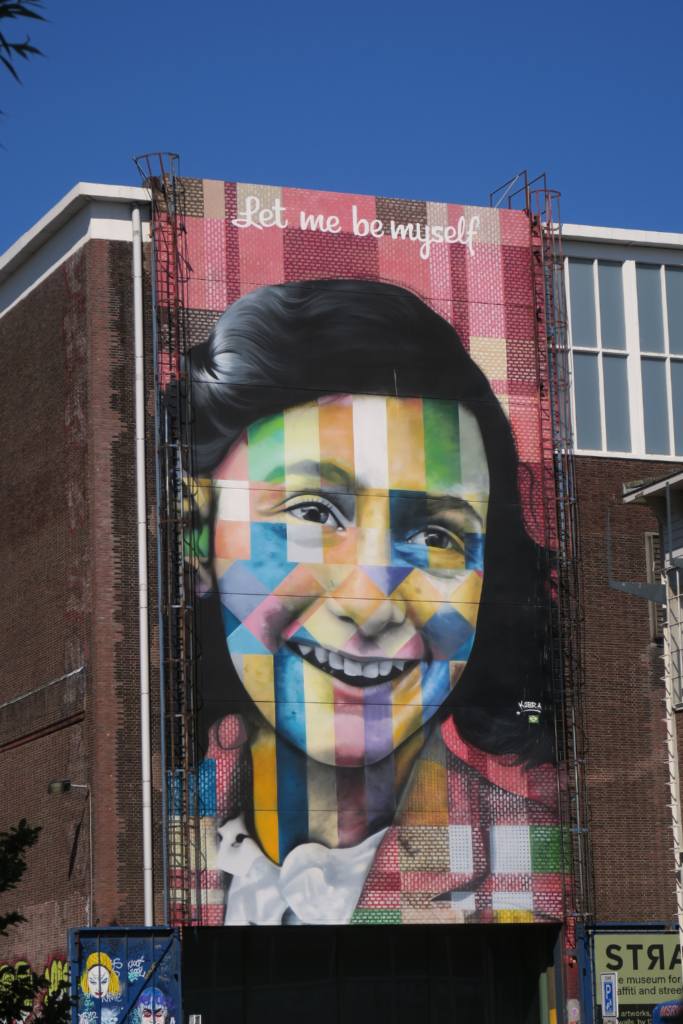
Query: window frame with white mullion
635	390
600	352
665	357
667	349
636	376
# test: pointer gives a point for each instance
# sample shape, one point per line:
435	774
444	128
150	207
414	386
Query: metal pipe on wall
143	588
161	625
673	763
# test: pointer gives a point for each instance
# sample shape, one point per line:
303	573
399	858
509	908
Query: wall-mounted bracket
647	591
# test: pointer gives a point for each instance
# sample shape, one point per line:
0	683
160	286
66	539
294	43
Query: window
653	566
598	333
660	328
626	334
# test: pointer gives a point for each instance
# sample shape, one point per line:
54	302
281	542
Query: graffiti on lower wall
18	975
127	982
56	972
127	976
102	989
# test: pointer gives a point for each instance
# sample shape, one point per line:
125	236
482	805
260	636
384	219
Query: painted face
348	555
98	981
152	1007
153	1015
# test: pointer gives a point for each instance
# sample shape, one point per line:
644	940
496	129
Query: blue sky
437	99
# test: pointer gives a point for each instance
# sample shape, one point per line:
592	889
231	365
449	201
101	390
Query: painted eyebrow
449	503
328	471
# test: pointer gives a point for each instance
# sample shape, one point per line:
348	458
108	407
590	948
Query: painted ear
197	540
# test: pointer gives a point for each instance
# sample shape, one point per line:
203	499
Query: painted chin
370	714
371	725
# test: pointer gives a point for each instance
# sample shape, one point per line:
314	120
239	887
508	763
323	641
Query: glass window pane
587	399
611	306
674	303
650	308
582	301
655	406
677	396
617	423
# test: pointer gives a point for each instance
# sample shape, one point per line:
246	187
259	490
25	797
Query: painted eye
312	513
316	512
435	537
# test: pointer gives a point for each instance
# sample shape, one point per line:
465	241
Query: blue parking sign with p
608	984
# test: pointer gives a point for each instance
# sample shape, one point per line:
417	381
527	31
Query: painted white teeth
350	667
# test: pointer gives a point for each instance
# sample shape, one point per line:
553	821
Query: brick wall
69	597
630	820
69	600
44	647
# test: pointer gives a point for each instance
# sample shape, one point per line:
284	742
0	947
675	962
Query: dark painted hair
284	345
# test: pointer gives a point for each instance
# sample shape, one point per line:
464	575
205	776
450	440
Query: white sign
609	1001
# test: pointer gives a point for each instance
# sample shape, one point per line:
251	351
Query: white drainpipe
143	591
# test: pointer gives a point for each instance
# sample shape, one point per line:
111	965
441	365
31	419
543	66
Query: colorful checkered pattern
486	294
321	546
476	838
491	852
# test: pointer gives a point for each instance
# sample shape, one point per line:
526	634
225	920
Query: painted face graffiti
98	981
152	1007
348	555
150	1014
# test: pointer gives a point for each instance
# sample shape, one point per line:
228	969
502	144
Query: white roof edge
84	192
621	236
656	487
81	194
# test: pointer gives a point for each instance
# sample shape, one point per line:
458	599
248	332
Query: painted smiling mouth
354	671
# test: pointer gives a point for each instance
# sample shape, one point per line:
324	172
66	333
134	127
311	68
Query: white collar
315	884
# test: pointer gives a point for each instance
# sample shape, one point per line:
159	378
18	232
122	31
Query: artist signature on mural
529	707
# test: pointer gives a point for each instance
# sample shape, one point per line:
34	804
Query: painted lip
350	669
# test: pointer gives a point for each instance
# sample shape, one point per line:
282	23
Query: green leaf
10	49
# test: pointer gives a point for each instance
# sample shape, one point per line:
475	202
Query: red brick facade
626	765
69	651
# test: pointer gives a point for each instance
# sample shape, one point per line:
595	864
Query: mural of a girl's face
348	554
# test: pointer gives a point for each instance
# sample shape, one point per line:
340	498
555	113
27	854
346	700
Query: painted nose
358	602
